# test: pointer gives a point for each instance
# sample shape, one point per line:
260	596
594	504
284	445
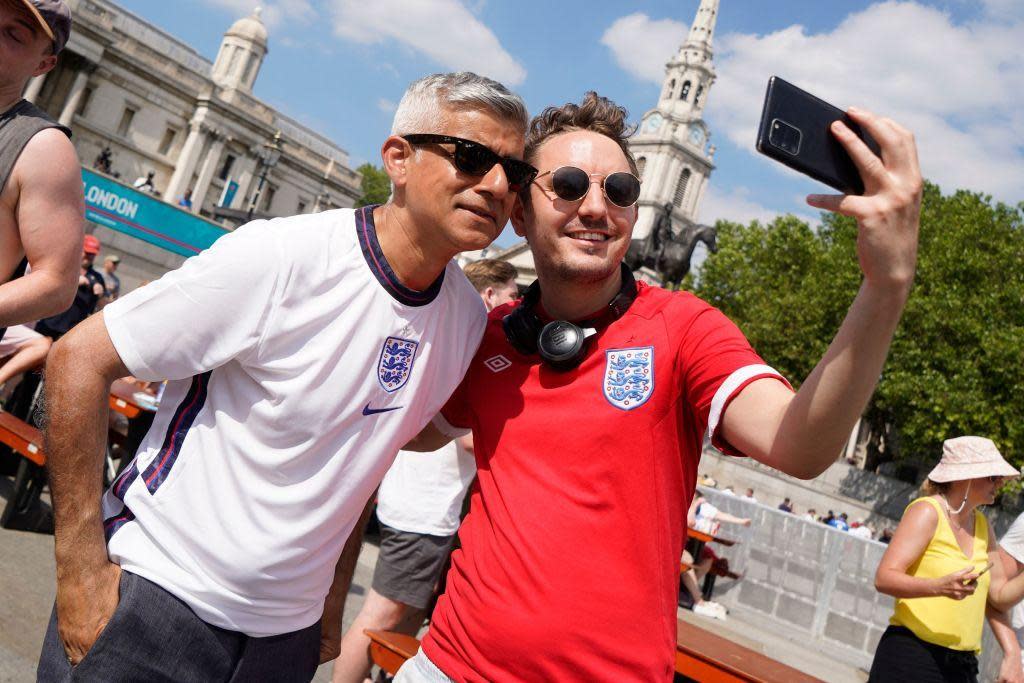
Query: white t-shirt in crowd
423	492
706	513
298	365
1013	543
861	531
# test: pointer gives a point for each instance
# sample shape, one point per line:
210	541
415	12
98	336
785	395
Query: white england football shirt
298	366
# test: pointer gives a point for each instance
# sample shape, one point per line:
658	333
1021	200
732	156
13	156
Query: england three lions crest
629	377
395	364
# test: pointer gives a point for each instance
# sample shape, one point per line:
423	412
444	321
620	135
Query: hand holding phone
795	130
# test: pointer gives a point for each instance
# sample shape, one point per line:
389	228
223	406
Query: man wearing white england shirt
301	353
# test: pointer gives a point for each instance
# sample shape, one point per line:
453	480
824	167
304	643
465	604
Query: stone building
161	107
671	145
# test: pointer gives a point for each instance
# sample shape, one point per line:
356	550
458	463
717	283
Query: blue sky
951	70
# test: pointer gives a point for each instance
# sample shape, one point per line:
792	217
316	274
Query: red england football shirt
569	566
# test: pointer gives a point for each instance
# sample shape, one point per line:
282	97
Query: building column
185	167
244	180
35	86
74	98
206	174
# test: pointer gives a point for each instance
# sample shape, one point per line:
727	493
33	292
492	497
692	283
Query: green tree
955	365
376	185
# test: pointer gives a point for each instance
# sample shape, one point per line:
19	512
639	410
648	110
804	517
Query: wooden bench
710	658
389	650
30	479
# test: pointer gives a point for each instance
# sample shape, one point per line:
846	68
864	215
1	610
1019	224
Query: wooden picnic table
122	399
389	650
695	542
707	657
27	441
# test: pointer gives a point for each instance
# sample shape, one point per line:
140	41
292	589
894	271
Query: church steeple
671	144
690	73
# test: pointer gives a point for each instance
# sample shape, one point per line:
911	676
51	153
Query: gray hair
423	104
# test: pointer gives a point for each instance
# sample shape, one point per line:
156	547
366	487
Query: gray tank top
18	125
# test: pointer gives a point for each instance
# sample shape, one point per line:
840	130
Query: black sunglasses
572	184
475	159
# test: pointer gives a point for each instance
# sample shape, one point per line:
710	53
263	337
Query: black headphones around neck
560	343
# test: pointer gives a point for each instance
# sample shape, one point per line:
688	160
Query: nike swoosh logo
367	410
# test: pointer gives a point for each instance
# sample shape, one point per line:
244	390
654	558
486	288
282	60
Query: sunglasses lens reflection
570	183
622	189
474	159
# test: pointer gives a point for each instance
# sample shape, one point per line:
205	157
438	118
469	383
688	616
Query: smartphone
980	574
794	130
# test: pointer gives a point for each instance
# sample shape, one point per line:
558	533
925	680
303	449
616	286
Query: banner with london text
119	207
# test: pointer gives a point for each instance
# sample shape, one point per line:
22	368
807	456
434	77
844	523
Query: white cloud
386	105
732	205
274	13
959	88
443	30
642	45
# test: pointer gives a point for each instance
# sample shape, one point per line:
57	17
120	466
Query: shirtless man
41	204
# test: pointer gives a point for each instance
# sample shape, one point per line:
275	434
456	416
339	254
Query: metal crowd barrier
811	582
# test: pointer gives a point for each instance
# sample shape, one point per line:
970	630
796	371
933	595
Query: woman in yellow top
936	566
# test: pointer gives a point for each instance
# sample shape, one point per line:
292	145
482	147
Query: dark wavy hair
594	113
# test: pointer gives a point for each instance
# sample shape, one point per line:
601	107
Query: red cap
91	245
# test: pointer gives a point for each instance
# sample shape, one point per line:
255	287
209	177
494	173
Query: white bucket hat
970	457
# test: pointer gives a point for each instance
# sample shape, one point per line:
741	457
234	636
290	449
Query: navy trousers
155	637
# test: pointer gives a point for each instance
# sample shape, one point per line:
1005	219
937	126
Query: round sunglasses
475	159
572	184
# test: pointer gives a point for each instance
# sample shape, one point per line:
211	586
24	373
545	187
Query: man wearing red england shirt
569	566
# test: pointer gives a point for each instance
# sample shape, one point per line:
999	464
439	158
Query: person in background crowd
936	566
811	515
185	201
707	480
839	522
418	505
728	491
90	292
300	354
861	530
41	204
786	506
110	280
829	518
145	183
1011	635
886	535
749	495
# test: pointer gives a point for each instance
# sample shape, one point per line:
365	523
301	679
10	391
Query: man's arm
428	440
802	434
50	213
334	606
79	372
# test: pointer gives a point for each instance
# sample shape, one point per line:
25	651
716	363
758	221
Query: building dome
250	28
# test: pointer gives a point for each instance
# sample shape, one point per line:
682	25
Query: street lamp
269	154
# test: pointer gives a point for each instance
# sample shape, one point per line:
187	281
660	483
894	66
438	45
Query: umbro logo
367	410
497	363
